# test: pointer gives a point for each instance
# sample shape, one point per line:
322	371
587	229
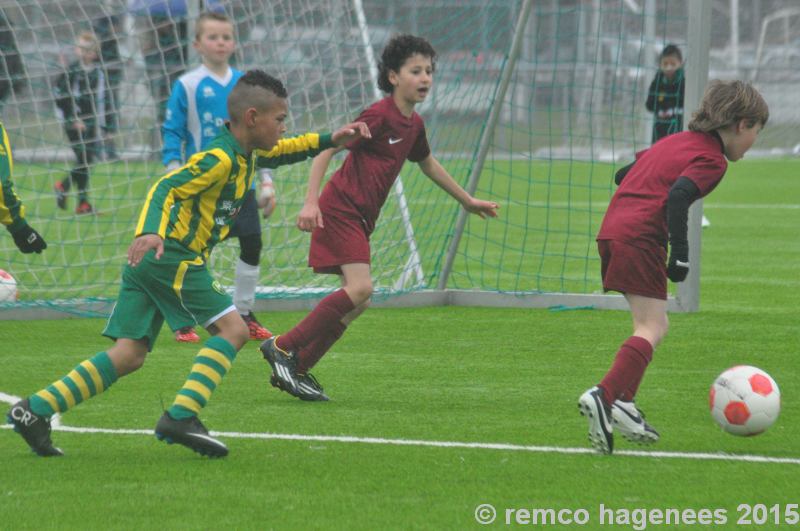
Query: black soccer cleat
190	433
308	388
593	406
284	365
35	429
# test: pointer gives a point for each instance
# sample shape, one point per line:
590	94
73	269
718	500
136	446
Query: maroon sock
622	380
313	352
325	316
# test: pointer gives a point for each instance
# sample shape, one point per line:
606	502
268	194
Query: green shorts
177	288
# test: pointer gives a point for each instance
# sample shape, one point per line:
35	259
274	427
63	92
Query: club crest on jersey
208	92
217	287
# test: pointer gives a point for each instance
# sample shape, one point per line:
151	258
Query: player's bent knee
127	355
233	329
362	293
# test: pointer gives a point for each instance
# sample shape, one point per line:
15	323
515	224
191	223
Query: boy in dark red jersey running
343	217
649	209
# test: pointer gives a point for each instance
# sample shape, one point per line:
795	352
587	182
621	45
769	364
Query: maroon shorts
636	270
343	240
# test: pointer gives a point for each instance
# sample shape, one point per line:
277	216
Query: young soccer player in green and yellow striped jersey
12	212
185	214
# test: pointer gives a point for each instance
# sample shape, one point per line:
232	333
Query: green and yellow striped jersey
196	204
12	212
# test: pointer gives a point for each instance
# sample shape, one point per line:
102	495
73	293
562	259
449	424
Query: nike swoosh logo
637	419
394	140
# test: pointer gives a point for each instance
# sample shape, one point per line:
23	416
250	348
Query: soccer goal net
534	105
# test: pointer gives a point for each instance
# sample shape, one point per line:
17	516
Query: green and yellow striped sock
210	365
91	377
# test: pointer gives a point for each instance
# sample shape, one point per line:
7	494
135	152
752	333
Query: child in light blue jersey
196	110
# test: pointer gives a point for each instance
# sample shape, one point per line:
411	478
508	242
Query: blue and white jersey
196	110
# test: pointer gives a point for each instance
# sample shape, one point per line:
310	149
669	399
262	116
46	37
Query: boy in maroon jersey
343	217
649	209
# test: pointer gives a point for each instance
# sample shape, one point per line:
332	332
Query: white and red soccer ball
744	400
8	287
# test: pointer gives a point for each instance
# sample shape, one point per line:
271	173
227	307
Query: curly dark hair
397	51
245	93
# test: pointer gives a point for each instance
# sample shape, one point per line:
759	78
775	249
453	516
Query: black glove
678	263
28	240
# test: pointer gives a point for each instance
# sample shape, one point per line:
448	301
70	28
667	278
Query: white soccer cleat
593	406
629	421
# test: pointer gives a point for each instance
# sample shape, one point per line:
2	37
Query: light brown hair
90	38
726	103
206	16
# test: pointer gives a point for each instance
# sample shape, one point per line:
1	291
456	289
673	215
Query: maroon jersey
360	186
637	213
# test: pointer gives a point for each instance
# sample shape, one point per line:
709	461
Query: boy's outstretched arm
302	147
310	216
348	133
436	172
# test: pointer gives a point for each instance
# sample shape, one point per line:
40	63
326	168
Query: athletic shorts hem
219	316
336	269
632	269
115	337
635	291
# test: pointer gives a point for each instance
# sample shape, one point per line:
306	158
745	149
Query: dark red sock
313	352
622	380
326	315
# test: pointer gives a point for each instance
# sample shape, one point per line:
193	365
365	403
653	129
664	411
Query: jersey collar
225	133
224	80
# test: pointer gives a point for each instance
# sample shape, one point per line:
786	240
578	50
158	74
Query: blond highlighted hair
89	38
205	17
726	103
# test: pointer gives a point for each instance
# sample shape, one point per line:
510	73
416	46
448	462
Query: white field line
55	420
439	444
602	205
